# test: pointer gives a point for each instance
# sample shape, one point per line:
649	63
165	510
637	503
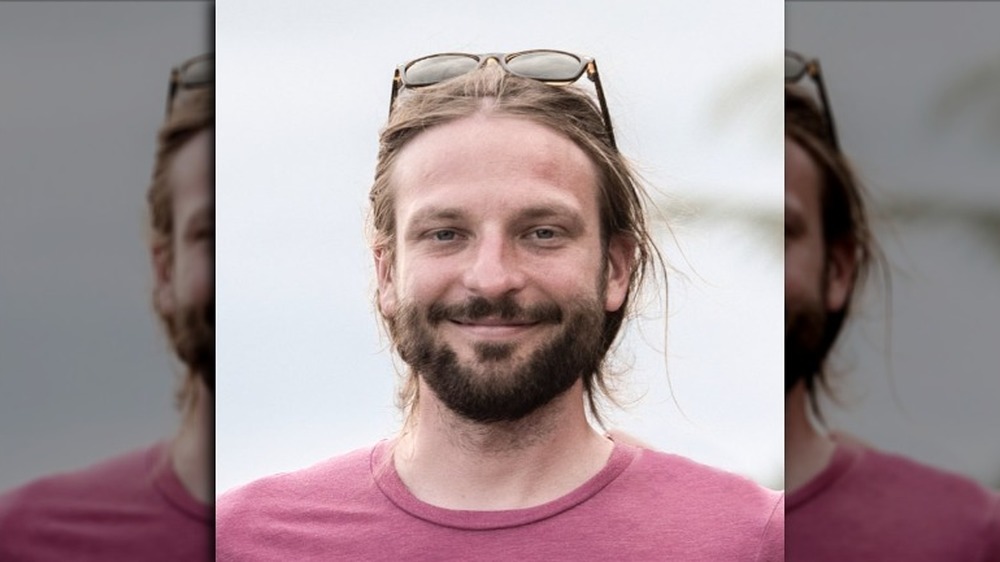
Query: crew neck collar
384	473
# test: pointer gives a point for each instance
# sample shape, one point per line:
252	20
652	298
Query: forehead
482	158
190	174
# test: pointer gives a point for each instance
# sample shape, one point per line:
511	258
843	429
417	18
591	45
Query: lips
492	322
493	327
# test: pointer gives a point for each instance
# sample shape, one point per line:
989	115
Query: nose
494	270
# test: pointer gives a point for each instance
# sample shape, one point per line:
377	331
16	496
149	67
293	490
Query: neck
451	462
807	450
192	446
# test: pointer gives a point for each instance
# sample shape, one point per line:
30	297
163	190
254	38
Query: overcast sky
84	371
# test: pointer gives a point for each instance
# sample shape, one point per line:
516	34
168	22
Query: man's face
818	278
499	283
185	284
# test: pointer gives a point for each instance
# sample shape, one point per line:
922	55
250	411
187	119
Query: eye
544	233
202	233
444	235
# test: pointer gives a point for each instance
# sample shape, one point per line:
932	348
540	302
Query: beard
192	333
500	385
805	345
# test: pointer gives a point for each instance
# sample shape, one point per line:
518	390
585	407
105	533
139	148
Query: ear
621	262
841	265
386	287
163	278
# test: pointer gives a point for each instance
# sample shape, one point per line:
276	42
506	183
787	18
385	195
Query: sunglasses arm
397	83
818	75
595	77
172	90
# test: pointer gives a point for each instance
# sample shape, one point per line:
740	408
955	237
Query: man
508	235
848	501
155	503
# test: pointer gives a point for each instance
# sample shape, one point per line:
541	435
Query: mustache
505	308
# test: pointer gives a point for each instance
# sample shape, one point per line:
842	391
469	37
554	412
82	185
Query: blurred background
915	92
694	91
84	369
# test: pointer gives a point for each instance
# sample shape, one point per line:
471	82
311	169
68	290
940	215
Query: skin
807	260
493	206
184	278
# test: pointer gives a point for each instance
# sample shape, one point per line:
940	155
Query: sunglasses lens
198	72
795	67
438	68
550	66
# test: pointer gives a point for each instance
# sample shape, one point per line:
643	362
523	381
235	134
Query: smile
493	327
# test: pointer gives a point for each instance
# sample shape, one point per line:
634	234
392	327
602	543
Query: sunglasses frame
177	83
811	68
587	65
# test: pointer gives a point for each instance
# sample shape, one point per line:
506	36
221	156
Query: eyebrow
535	212
550	210
436	213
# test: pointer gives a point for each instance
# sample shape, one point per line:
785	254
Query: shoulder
249	514
97	480
330	475
917	496
897	477
70	497
697	480
742	515
881	502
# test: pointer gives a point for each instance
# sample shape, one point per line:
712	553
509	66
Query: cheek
578	275
194	276
803	275
422	286
793	273
417	278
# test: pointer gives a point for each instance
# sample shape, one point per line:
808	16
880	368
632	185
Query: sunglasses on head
558	68
196	72
797	67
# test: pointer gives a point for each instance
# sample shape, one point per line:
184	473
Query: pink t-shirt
131	507
869	505
642	505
